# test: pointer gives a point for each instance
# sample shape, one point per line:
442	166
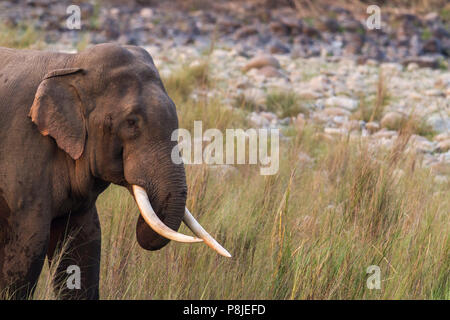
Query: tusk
198	230
154	222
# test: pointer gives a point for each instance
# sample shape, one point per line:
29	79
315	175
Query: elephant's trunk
152	220
166	228
162	203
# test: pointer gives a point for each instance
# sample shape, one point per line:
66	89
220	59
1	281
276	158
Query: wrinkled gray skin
71	124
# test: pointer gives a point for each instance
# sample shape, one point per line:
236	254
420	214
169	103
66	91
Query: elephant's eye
131	122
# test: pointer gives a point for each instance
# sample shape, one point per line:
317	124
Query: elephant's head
109	111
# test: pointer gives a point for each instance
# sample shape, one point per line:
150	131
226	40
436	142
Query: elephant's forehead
135	95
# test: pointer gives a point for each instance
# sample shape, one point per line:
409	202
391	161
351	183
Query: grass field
309	232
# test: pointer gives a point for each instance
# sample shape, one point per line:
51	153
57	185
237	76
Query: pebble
335	111
271	72
261	61
444	145
392	120
342	102
372	126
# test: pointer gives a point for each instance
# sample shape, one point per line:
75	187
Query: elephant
71	124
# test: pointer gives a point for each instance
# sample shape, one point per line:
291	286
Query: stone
384	134
258	120
352	125
392	120
444	145
432	46
328	24
278	28
434	92
293	24
307	94
372	126
421	144
412	66
146	13
438	122
442	136
343	102
277	47
335	111
335	131
261	61
270	116
320	83
270	72
255	94
245	32
423	62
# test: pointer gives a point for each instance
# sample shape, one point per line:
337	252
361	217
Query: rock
258	96
423	62
227	24
390	68
442	136
293	24
245	32
320	83
444	145
372	126
307	94
335	111
335	131
343	102
432	46
110	28
412	66
421	144
354	43
352	125
328	24
384	134
270	116
432	16
278	47
243	84
392	120
258	120
271	72
261	61
278	28
311	32
438	122
146	13
434	93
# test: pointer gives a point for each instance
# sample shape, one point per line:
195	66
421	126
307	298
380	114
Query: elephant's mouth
153	221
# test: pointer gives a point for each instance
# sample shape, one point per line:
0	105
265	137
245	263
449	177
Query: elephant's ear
57	111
